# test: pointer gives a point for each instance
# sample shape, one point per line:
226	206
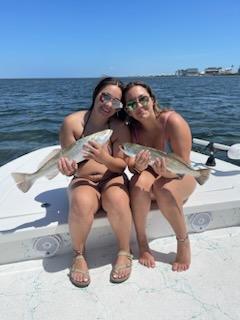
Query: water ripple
32	110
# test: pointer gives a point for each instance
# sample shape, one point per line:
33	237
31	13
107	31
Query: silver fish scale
172	163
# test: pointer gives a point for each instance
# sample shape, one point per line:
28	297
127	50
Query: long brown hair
156	107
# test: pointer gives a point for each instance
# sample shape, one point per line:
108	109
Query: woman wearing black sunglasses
164	130
99	180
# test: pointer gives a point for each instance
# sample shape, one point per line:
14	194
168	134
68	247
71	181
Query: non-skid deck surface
40	289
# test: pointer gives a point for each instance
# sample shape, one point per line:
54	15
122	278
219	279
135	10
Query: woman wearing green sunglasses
164	130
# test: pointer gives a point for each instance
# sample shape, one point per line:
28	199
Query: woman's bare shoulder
175	120
74	119
73	123
75	116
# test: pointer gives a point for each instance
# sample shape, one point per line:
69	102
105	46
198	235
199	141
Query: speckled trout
49	166
173	162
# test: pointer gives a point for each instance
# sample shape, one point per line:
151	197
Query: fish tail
22	180
204	175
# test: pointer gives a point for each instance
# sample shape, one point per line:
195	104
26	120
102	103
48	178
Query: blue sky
87	38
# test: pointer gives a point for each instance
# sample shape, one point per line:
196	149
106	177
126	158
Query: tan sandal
79	284
119	267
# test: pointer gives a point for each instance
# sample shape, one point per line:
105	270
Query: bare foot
79	271
183	258
146	258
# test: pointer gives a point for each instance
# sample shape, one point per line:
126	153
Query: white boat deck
43	210
209	290
34	225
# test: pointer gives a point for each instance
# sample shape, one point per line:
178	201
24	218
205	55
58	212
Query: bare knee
115	201
142	182
82	207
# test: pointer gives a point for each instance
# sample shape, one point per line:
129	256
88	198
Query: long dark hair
104	83
121	114
156	107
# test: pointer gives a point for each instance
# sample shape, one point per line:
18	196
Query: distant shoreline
136	76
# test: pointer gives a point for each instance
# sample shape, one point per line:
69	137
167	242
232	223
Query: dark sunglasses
132	105
106	97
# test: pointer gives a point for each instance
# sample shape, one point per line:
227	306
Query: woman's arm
180	137
116	162
67	137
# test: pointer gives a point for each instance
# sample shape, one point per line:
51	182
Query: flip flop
119	267
79	284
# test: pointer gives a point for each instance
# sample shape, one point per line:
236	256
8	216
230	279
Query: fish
174	163
49	166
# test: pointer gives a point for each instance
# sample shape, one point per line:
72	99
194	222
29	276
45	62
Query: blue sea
32	110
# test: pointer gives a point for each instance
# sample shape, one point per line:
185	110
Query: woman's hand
95	151
142	160
67	167
159	166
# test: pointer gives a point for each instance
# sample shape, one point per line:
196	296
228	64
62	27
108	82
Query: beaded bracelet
136	170
75	175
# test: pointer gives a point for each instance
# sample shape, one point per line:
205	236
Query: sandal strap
79	271
77	256
182	239
119	267
125	254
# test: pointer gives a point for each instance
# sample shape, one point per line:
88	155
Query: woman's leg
84	203
140	193
115	201
170	196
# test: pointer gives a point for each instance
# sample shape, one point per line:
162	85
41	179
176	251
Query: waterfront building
213	71
188	72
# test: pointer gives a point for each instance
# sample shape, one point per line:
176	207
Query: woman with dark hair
165	130
98	181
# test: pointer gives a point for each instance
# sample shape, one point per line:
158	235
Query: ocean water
32	110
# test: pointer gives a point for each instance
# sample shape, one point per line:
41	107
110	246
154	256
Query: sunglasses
132	105
106	97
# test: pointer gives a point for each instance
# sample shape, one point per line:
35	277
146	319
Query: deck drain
200	221
47	246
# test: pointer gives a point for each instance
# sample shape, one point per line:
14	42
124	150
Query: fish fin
48	157
204	175
22	182
52	174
